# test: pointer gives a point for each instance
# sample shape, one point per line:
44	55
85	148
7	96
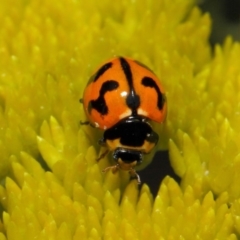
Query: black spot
149	82
101	71
100	104
133	101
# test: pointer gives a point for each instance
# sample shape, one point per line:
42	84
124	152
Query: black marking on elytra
100	104
101	71
127	71
149	82
132	100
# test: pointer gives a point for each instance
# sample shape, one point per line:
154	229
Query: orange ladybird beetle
122	97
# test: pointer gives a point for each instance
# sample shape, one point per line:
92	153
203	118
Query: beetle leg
84	122
102	155
114	168
102	142
87	123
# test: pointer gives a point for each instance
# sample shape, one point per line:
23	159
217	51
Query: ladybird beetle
122	97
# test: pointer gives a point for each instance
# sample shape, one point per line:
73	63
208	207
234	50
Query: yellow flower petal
54	188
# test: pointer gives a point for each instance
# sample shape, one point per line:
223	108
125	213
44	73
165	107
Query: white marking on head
125	114
141	112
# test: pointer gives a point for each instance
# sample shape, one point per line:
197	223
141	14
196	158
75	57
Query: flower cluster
52	187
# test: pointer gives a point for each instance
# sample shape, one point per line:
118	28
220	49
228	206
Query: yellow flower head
53	188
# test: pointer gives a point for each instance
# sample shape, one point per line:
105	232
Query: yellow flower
53	187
